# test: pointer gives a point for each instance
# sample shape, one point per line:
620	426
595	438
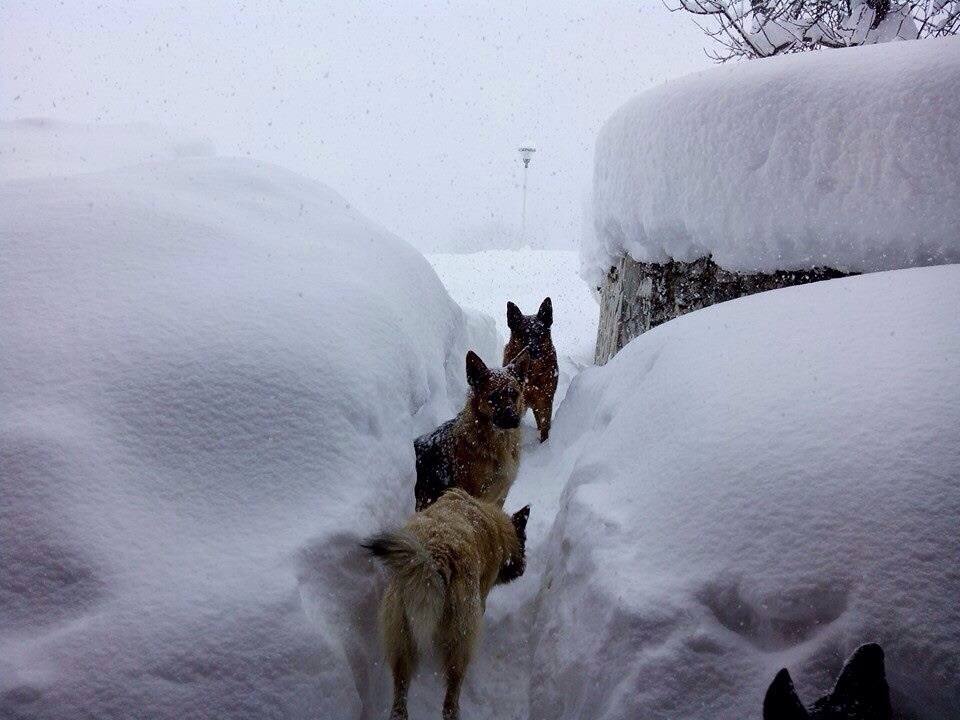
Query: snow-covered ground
210	373
767	482
40	147
847	159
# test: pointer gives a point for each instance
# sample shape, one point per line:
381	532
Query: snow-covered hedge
845	158
210	373
763	483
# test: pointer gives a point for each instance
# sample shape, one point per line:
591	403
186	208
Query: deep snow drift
770	481
846	158
210	374
40	147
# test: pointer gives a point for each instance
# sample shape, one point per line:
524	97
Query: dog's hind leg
451	701
401	651
459	637
402	671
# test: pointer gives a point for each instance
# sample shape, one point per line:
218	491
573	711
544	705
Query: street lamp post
526	153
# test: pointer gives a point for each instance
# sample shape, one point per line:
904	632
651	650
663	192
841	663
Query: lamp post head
526	153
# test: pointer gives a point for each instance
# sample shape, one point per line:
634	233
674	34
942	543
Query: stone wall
638	296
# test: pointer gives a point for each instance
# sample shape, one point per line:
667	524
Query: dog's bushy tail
420	585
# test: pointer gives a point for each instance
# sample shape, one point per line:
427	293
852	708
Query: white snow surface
767	482
846	158
211	371
41	147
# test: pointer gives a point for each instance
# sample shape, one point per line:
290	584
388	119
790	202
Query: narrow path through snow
498	682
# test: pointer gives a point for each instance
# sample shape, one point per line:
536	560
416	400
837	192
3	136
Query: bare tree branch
762	28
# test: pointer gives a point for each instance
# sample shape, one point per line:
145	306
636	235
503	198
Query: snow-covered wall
840	158
211	371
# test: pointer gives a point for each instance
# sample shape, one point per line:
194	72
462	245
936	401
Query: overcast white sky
412	110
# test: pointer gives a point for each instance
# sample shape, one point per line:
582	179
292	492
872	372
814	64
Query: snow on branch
762	28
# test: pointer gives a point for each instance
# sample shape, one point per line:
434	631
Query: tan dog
479	449
443	564
532	332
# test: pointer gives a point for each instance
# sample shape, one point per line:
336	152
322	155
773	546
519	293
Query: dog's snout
507	420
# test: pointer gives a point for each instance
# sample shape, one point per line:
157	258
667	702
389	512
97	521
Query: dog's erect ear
862	685
477	370
519	519
781	701
545	313
514	316
519	365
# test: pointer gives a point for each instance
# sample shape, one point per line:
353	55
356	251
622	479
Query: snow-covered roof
848	158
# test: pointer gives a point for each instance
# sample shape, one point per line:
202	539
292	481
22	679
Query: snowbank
210	373
764	483
40	147
846	158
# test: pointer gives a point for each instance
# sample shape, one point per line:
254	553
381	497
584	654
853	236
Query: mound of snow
210	374
40	147
768	482
844	158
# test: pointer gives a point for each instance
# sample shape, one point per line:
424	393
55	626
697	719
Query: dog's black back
861	692
435	458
